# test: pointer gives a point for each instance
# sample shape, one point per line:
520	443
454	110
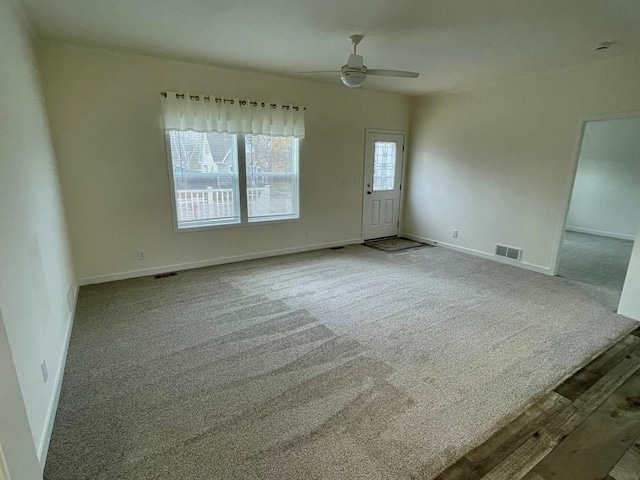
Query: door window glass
384	166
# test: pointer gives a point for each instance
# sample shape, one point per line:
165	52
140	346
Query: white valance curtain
206	113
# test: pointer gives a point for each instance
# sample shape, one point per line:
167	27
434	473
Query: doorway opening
603	218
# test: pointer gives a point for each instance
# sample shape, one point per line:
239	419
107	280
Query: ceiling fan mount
355	40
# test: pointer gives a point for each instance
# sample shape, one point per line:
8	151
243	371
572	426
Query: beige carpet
335	364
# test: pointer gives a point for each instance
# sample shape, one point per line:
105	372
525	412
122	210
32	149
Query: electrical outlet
306	234
455	233
140	254
45	371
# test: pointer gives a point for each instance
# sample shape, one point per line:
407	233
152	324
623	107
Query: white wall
36	267
630	299
498	162
606	194
16	442
104	110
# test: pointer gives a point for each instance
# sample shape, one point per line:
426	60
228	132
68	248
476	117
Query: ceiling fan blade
391	73
319	71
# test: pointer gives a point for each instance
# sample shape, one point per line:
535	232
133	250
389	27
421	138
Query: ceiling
453	44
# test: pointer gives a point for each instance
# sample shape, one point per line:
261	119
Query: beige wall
104	110
497	162
606	193
36	268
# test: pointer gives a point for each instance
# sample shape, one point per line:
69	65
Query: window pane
384	166
272	177
205	177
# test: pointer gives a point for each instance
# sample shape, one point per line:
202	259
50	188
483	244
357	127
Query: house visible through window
209	191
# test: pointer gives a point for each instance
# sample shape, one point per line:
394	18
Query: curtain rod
231	101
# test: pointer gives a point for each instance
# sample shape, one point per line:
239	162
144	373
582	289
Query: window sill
251	223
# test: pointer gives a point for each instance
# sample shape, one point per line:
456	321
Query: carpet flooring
333	364
597	265
587	428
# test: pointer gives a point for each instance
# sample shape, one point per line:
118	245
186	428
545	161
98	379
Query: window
209	189
384	166
272	177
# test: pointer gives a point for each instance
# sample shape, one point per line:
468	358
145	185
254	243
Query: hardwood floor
588	428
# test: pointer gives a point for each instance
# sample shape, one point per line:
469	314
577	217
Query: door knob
368	192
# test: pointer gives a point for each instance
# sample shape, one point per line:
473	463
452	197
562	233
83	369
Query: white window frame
245	221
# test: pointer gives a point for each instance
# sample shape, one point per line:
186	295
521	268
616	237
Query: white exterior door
384	154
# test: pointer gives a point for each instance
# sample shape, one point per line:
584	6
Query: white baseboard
600	233
477	253
214	261
43	446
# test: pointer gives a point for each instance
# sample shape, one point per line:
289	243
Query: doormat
394	244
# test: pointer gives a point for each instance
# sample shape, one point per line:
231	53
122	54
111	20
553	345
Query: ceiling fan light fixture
354	72
353	79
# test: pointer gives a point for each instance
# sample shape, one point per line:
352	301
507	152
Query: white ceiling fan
354	73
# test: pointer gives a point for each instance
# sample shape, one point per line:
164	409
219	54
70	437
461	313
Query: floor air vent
508	252
165	275
336	248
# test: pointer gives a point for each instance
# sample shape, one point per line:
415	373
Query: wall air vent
508	252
